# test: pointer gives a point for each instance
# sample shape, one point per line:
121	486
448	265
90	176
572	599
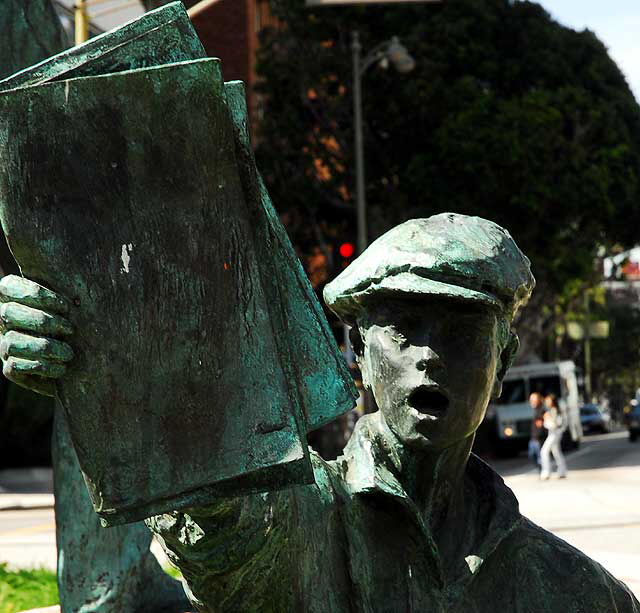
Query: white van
509	417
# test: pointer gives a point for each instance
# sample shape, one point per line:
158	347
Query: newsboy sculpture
407	519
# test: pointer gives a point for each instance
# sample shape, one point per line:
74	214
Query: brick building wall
224	29
229	30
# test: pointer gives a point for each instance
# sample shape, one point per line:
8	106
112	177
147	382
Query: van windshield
512	392
546	385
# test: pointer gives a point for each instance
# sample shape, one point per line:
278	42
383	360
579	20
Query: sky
615	22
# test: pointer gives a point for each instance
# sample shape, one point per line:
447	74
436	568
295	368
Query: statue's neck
434	480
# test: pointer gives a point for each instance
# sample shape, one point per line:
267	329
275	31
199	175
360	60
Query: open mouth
429	400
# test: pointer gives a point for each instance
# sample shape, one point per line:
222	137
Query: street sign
597	329
337	2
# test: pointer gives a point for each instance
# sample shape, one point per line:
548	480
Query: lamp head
400	56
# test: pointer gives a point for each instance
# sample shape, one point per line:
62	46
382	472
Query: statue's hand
31	322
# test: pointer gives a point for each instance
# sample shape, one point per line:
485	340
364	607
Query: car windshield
588	411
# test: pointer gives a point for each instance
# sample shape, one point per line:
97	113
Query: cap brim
407	283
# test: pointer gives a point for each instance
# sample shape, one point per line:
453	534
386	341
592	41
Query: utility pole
587	347
361	203
389	51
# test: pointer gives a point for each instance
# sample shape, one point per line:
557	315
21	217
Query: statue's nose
429	360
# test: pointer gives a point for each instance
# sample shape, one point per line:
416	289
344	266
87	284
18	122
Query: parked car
594	419
633	422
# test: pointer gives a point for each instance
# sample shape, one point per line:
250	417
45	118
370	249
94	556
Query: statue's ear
357	344
507	356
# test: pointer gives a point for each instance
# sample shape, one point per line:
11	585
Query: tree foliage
507	115
616	359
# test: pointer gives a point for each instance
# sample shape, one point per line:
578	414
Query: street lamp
390	51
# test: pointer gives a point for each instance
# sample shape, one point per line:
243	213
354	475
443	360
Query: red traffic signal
347	250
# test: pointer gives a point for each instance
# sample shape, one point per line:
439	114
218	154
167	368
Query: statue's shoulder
327	477
563	575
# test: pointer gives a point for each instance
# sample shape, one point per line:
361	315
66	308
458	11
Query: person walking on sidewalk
537	406
554	423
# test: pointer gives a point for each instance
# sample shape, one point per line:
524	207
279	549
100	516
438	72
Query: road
597	509
28	538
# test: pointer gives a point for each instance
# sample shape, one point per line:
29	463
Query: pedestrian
537	404
553	421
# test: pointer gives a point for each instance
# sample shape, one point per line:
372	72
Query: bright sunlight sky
615	22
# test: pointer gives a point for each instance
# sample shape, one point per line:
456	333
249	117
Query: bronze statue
407	519
99	571
175	245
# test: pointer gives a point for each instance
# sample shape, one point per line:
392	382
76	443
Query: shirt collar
370	466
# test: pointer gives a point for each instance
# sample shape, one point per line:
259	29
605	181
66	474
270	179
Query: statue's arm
263	552
236	553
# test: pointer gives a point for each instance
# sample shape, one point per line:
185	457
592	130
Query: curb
18	502
35	507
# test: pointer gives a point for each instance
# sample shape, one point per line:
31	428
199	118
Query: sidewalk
597	508
26	488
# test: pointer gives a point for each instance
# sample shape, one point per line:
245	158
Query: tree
508	115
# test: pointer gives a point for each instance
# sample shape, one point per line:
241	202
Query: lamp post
388	51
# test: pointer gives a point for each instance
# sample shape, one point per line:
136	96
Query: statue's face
431	365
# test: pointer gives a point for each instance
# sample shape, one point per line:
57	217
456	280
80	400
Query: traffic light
347	250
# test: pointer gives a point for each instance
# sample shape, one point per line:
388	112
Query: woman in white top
553	421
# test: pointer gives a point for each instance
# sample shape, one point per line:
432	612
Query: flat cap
449	255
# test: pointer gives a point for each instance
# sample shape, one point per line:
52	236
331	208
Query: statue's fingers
40	385
18	289
16	369
16	316
18	345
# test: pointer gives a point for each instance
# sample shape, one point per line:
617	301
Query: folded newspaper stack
203	358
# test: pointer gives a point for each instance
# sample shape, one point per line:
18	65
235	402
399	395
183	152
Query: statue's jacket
354	541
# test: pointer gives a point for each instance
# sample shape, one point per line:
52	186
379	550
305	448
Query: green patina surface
321	374
30	32
407	519
184	292
160	37
99	571
356	541
128	250
201	359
